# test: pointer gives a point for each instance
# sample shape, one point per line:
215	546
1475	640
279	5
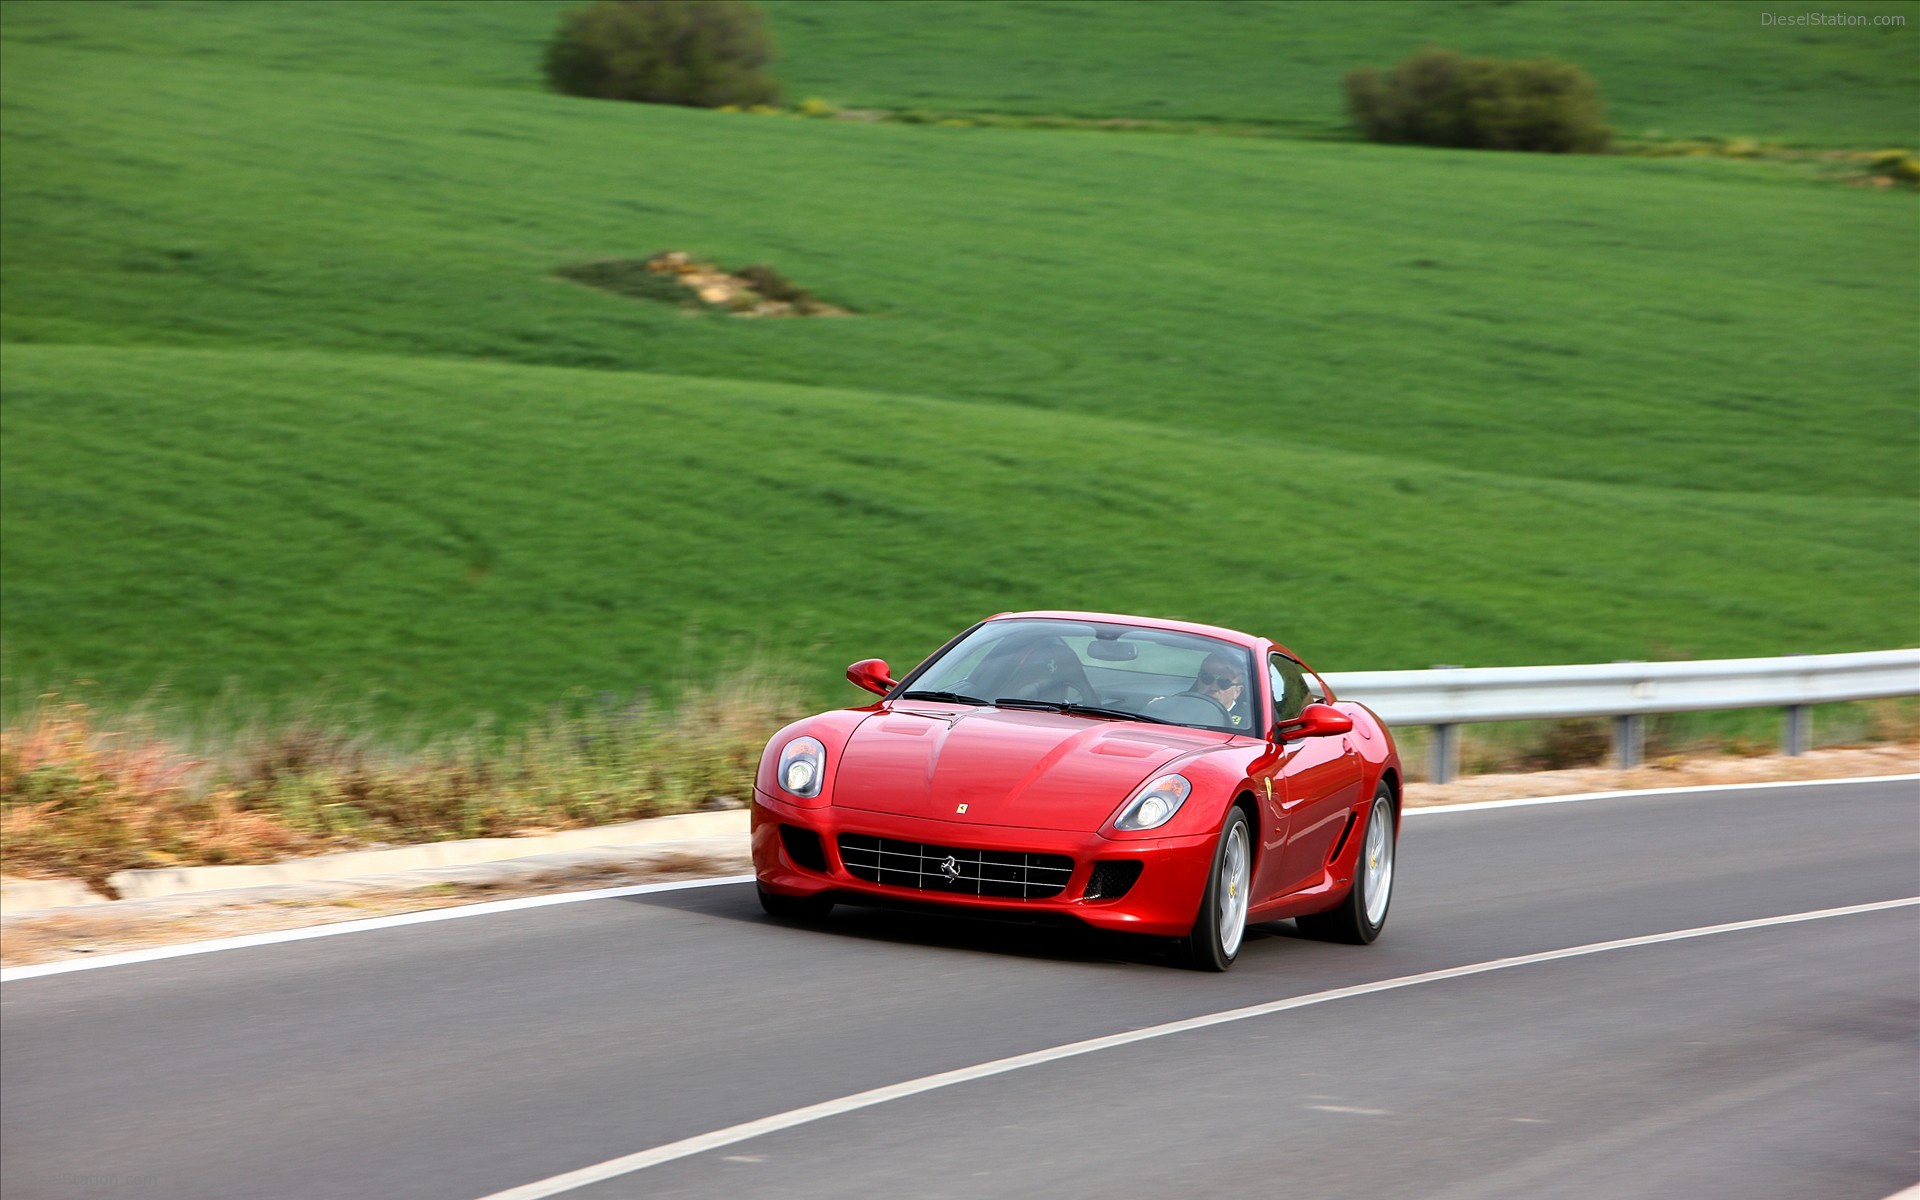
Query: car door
1288	690
1318	779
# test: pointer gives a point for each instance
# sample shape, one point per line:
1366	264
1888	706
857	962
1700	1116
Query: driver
1220	680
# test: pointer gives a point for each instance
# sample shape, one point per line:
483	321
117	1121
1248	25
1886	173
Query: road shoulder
31	936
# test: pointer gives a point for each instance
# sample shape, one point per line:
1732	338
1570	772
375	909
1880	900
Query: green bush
1441	98
700	53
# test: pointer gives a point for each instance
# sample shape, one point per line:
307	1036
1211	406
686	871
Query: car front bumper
1163	900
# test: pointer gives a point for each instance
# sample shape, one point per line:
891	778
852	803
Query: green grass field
1694	68
294	404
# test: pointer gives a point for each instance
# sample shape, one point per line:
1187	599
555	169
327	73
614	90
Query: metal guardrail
1448	697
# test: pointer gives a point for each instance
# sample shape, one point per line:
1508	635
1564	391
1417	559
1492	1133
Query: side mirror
872	674
1316	720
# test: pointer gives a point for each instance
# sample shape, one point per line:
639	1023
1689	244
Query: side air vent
1112	878
804	848
1340	845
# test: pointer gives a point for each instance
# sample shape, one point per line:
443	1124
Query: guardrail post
1795	729
1629	742
1444	762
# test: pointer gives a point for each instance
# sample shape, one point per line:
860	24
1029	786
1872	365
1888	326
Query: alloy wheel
1379	864
1234	890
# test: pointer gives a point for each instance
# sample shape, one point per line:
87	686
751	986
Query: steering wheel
1226	718
1191	708
1063	693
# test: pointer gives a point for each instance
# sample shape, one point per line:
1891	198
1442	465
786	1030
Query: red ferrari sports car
1134	774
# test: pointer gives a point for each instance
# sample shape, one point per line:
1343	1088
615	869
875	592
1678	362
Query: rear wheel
1222	923
1363	914
794	908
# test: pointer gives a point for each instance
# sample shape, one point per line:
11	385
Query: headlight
1155	804
801	765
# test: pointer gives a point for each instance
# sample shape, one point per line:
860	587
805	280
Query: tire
1221	927
794	908
1363	914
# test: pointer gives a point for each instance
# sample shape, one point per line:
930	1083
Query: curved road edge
488	908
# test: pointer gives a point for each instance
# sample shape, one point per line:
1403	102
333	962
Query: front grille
1112	878
804	848
1011	873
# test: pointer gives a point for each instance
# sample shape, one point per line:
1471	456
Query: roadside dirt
1836	763
57	934
52	935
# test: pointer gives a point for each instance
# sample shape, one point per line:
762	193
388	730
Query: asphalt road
455	1060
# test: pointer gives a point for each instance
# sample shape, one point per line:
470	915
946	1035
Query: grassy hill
1691	68
1705	324
293	398
1682	69
450	534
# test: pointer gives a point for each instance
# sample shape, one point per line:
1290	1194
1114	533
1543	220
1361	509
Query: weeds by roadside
84	795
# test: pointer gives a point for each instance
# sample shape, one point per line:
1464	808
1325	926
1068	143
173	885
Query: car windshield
1124	670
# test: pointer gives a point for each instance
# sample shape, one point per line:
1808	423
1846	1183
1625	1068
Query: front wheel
794	908
1363	914
1222	923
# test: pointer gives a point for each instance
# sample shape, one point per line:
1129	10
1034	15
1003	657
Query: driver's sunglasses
1209	679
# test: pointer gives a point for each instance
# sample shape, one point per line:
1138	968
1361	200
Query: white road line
486	908
1435	810
732	1135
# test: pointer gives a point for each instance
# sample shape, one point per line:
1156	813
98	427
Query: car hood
1037	770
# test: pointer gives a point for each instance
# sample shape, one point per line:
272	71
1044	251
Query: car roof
1213	631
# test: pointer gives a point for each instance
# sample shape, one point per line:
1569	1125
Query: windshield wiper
949	697
1078	710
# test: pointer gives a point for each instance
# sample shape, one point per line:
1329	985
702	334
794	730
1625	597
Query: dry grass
77	799
82	795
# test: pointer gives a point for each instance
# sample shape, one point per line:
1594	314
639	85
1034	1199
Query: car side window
1290	688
